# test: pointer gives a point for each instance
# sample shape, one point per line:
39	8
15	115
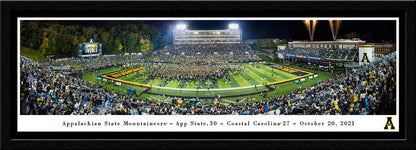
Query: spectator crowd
367	90
80	66
207	53
322	53
192	72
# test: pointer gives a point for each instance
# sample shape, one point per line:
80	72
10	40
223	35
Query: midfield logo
389	123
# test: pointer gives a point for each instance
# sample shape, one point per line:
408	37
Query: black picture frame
11	139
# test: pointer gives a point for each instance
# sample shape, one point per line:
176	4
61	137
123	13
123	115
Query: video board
90	49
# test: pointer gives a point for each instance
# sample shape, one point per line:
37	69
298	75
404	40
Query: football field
250	82
253	75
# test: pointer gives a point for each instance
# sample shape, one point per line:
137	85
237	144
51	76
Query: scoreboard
207	37
90	49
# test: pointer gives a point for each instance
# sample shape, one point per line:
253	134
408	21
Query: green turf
256	77
283	88
92	77
185	84
191	85
249	79
173	84
32	54
274	75
277	72
241	80
286	88
179	84
155	82
163	83
261	74
222	84
144	81
212	85
200	84
206	84
109	70
234	83
216	85
288	75
129	77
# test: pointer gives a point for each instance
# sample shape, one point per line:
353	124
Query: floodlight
181	26
233	26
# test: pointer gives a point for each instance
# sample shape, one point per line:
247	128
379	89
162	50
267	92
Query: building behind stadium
383	49
364	52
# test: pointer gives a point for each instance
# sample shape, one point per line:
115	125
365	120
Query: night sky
380	31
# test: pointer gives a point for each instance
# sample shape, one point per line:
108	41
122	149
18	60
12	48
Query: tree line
51	38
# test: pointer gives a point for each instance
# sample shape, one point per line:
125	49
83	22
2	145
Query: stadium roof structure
341	43
181	35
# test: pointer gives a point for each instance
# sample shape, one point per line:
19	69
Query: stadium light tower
233	26
181	26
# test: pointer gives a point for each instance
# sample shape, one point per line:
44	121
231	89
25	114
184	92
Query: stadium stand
322	53
207	53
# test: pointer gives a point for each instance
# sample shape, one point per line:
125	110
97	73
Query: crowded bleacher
80	66
207	53
322	53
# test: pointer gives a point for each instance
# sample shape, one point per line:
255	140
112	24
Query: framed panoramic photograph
207	75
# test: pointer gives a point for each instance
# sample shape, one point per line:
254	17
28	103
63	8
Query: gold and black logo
389	123
365	58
